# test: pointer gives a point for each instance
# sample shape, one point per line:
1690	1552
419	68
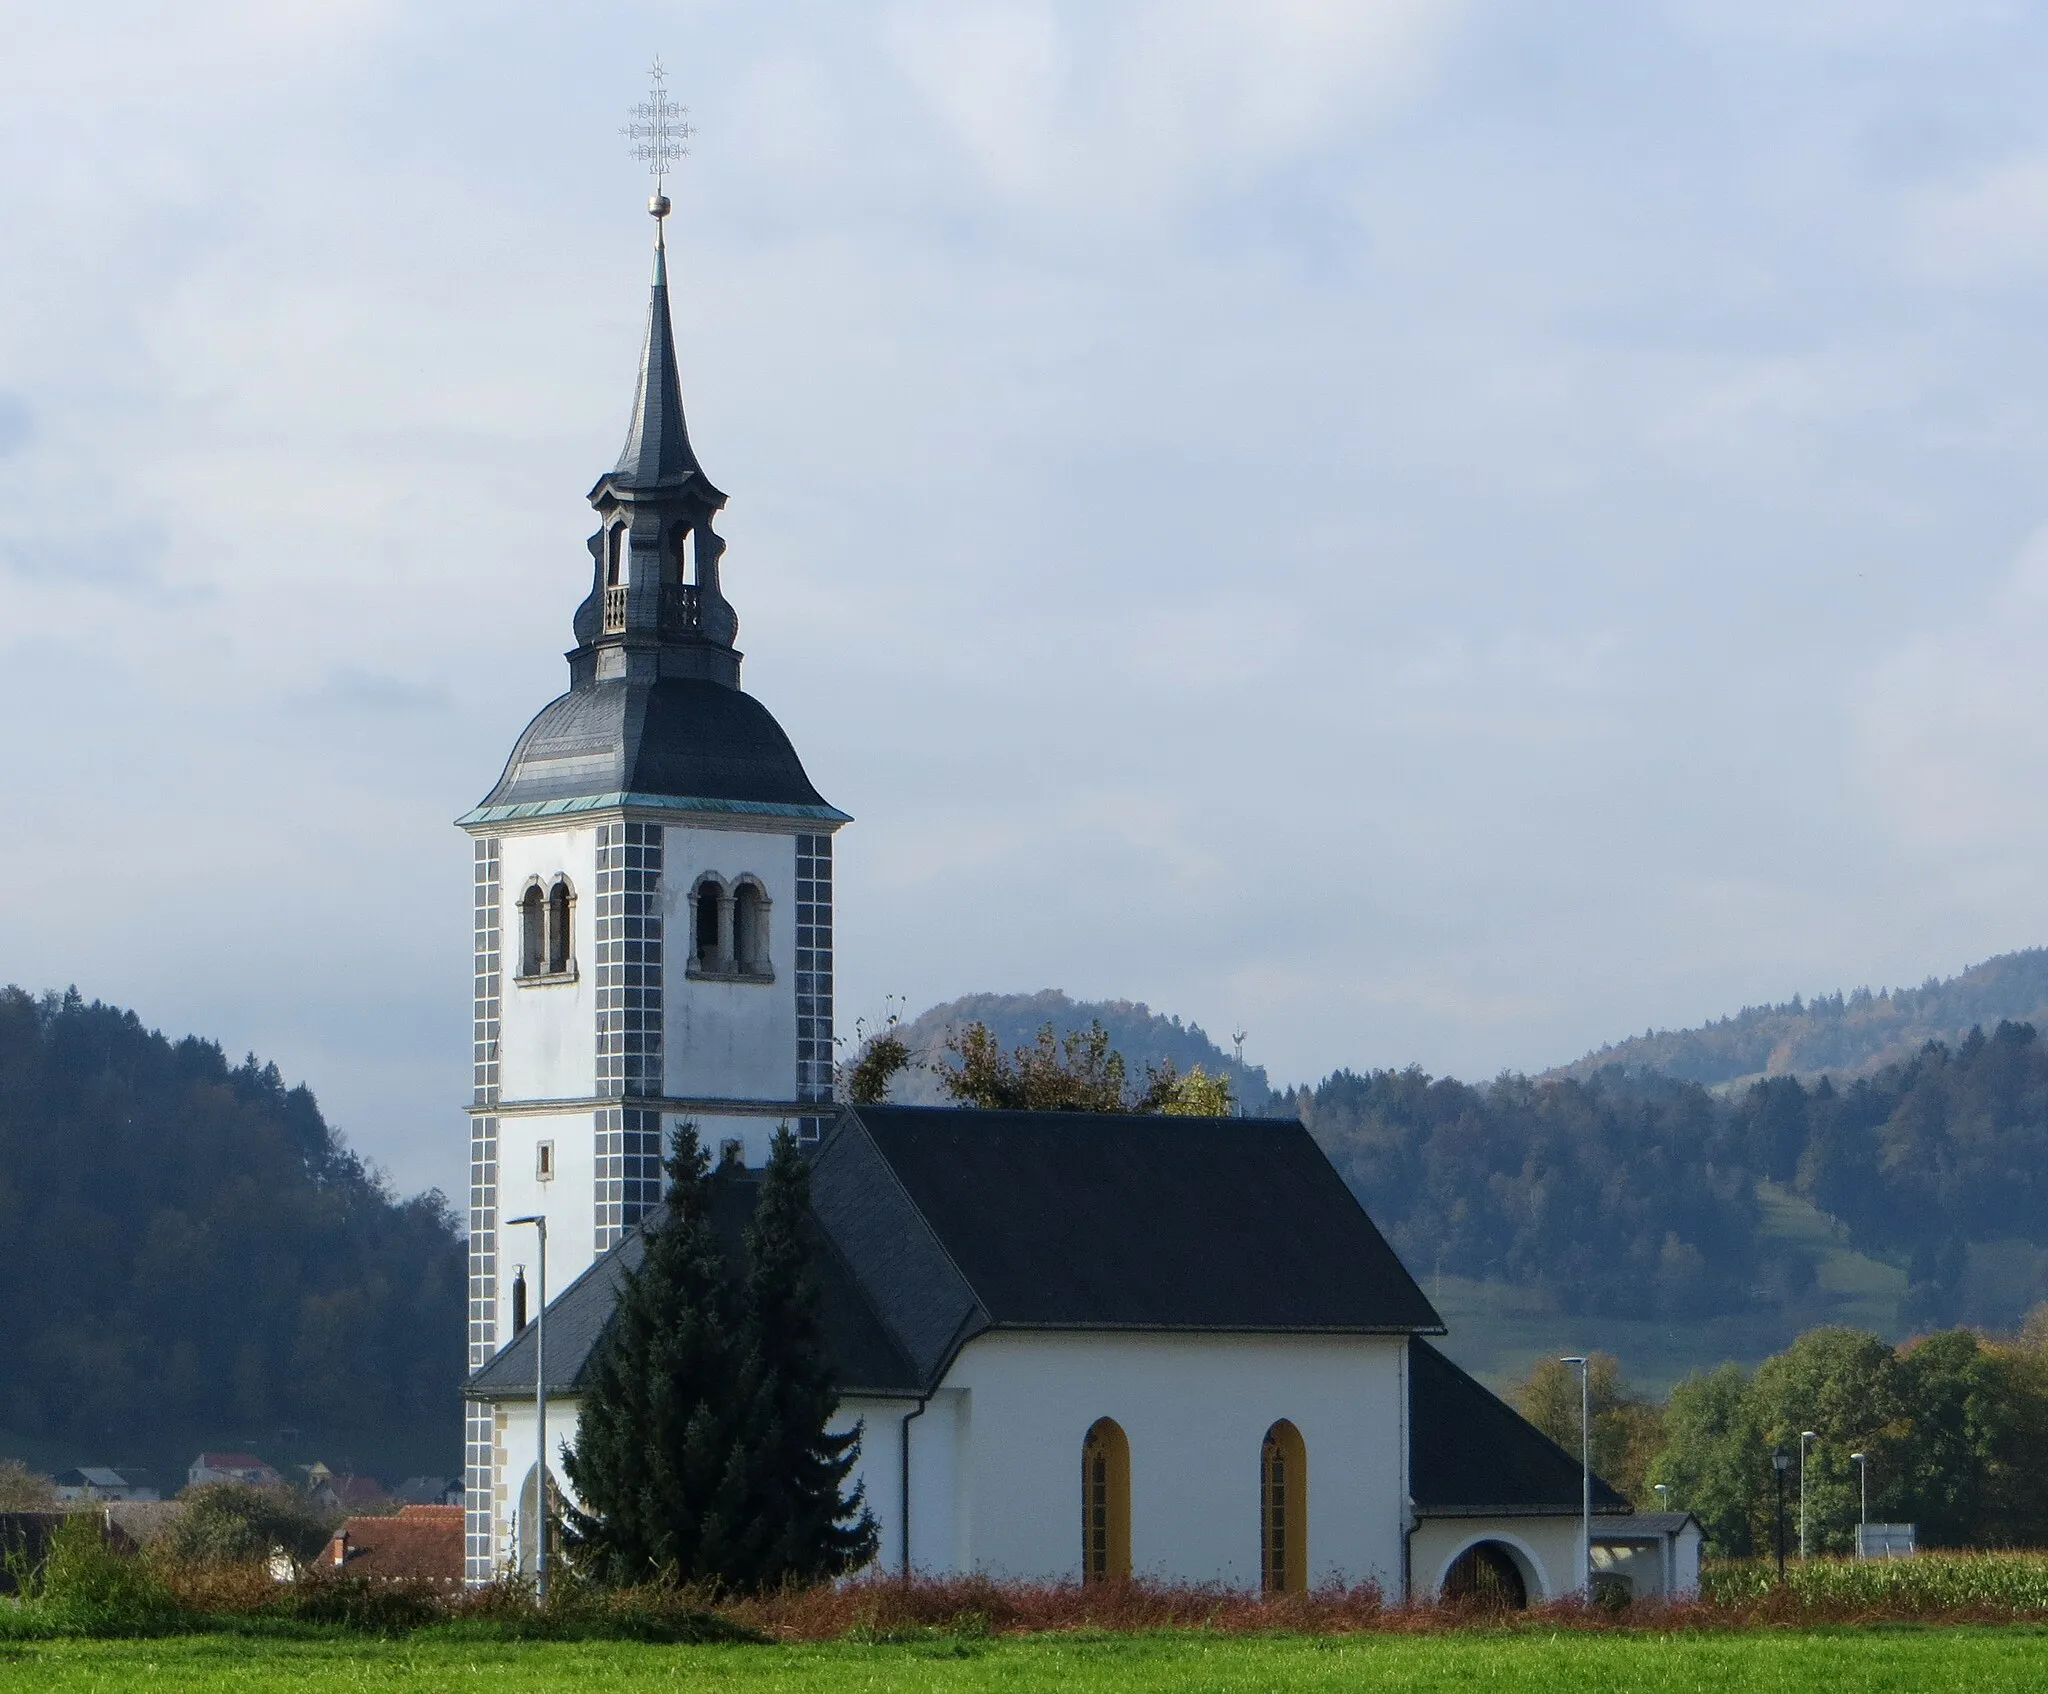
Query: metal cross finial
659	132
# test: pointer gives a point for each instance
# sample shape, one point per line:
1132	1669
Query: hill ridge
1840	1035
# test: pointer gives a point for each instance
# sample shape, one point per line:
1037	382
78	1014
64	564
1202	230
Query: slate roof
865	1357
1641	1526
1470	1453
940	1224
680	741
1081	1220
657	453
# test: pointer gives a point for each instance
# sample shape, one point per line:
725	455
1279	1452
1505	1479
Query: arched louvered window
533	931
1105	1503
710	927
561	902
750	929
1283	1511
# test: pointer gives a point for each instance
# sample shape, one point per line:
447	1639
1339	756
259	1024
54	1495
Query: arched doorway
524	1527
1486	1574
1283	1511
1105	1503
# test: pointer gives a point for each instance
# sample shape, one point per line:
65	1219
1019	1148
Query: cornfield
1929	1585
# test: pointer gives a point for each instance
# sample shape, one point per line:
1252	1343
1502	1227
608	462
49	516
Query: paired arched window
729	929
545	918
1105	1503
1283	1511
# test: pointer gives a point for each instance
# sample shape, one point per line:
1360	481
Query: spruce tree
654	1463
801	1526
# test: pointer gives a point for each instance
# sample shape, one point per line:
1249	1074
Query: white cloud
1085	106
1952	726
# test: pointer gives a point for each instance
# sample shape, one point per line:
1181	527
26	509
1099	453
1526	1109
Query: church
1077	1346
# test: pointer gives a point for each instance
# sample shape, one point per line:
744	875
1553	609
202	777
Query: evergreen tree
801	1527
656	1442
701	1453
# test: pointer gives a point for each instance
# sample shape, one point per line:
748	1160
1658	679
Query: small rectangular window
732	1151
544	1162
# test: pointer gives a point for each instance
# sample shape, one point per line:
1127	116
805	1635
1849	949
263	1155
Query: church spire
657	450
656	607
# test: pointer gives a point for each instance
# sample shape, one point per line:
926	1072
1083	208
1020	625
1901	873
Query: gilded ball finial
658	205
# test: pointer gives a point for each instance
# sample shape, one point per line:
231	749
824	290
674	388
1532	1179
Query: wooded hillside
190	1255
1846	1035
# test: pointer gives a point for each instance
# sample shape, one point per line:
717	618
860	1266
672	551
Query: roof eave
1056	1328
613	485
1523	1511
482	817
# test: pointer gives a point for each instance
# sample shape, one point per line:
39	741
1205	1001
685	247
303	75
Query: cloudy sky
1428	531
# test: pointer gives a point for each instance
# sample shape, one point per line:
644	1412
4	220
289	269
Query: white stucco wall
1546	1548
516	1454
728	1038
547	1032
569	1202
996	1457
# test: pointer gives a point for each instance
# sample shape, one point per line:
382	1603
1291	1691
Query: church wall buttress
483	1200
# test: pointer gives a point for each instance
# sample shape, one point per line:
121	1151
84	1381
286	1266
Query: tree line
1952	1426
1633	1195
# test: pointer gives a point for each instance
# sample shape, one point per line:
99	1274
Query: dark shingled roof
680	738
865	1358
1470	1452
657	451
1078	1220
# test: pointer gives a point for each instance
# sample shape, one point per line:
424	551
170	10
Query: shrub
231	1523
87	1587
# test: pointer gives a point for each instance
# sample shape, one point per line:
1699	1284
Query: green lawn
1910	1661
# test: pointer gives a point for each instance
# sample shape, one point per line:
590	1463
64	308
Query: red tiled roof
421	1542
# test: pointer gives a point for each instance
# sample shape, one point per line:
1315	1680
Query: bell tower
652	896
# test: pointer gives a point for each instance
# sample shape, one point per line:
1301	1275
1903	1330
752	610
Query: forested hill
1635	1195
1141	1035
192	1258
1840	1035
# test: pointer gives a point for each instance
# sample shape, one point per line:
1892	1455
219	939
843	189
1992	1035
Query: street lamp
1663	1492
1863	1490
1805	1435
540	1411
1585	1477
1781	1462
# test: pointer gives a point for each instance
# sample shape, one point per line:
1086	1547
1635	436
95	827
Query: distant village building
101	1482
245	1468
1077	1345
429	1491
345	1493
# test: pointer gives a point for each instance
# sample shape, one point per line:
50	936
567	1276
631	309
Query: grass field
1909	1661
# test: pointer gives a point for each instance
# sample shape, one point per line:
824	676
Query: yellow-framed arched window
1105	1503
1283	1511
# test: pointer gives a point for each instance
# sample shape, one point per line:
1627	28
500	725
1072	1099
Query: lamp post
1781	1462
1663	1492
1805	1435
1863	1491
540	1411
1585	1477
